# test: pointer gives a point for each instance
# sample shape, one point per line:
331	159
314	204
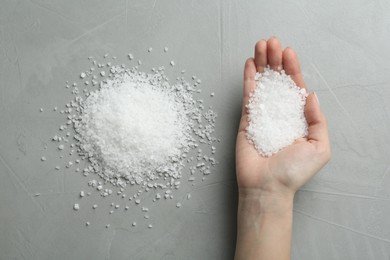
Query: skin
267	185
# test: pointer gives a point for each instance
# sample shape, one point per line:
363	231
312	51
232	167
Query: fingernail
315	94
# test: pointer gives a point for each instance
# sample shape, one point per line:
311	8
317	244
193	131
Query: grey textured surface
343	213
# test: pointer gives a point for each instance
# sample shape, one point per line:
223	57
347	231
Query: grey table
343	213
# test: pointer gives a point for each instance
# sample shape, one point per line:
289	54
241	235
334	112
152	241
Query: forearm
264	227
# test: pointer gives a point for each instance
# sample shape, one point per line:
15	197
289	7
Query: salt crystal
43	158
102	73
76	206
82	75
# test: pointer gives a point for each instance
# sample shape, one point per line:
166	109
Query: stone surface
343	213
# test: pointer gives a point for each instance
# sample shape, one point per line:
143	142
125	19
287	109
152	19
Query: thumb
317	125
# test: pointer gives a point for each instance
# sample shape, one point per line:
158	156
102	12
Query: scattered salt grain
76	206
275	112
43	158
134	128
134	224
150	226
150	49
87	223
82	194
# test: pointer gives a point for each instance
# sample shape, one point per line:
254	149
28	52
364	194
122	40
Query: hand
267	185
286	171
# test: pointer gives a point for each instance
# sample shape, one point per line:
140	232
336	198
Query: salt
133	128
275	112
76	206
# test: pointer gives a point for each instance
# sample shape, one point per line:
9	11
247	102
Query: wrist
256	202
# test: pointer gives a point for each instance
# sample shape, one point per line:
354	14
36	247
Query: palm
294	165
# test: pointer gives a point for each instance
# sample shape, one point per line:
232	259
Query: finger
261	55
274	54
249	82
291	67
317	125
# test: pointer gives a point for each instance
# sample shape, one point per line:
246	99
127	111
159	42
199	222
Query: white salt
275	112
134	129
76	206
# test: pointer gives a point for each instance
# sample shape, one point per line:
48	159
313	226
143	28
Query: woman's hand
267	185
